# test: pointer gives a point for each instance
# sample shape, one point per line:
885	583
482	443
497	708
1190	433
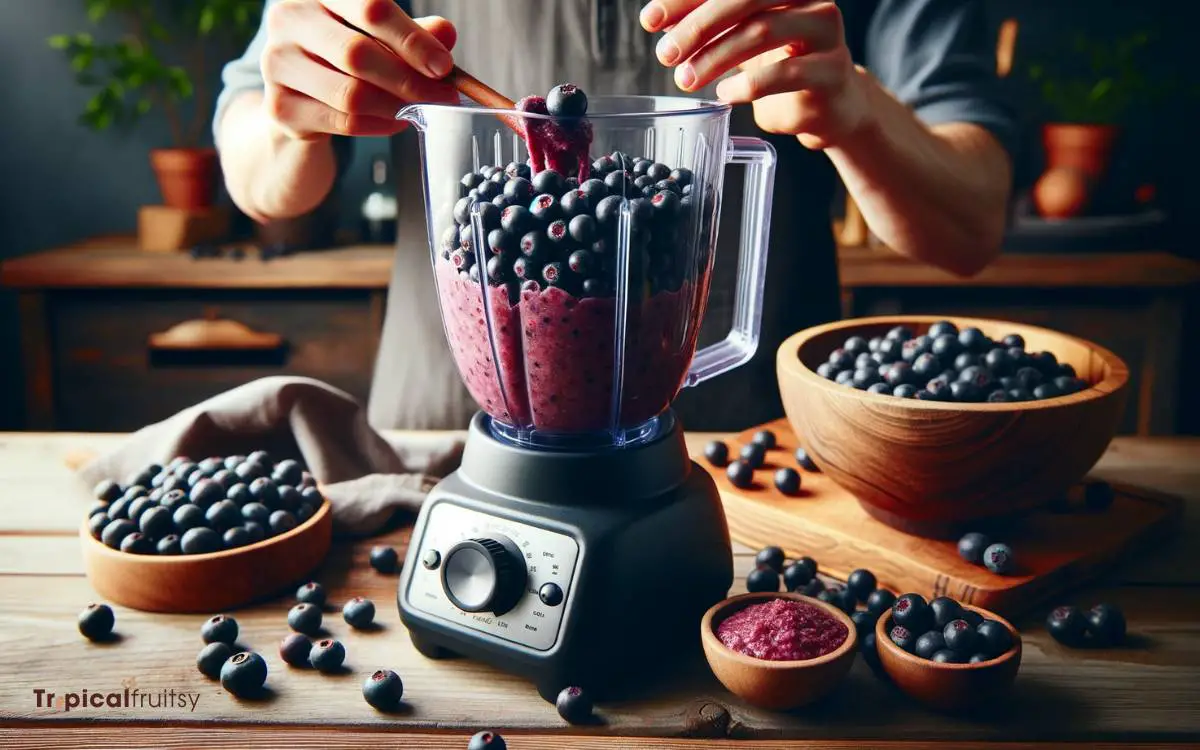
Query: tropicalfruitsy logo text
166	699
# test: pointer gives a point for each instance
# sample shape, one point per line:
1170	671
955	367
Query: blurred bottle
378	214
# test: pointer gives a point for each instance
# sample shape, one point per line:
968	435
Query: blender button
431	559
550	594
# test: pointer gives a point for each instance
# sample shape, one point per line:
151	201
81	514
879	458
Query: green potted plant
160	62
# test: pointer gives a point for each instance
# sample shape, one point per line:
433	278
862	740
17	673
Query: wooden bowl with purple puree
804	648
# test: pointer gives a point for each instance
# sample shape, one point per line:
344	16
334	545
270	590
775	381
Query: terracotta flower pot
187	177
1086	148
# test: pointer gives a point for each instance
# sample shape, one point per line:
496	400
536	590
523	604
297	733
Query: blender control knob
482	575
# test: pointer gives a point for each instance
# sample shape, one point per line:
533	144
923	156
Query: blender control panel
494	575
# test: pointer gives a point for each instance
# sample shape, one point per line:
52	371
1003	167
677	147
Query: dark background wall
60	182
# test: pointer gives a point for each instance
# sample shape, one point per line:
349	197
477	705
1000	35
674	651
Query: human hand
347	66
794	64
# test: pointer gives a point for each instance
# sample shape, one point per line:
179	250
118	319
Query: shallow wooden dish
949	687
775	685
936	468
212	582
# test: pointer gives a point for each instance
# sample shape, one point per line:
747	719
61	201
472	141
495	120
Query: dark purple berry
998	558
717	453
359	612
994	638
762	578
383	690
1067	625
327	655
1106	624
903	637
912	612
771	557
787	481
305	618
574	705
96	621
212	657
219	628
244	674
929	644
294	649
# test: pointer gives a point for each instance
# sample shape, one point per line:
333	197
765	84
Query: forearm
938	194
269	174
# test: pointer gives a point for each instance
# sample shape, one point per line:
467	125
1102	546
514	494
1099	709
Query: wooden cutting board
1055	550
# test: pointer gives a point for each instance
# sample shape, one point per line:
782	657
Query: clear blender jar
573	257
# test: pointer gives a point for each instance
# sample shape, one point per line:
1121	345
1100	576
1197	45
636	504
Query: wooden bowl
949	687
212	582
936	468
775	685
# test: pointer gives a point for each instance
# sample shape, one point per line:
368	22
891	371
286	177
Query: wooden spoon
481	93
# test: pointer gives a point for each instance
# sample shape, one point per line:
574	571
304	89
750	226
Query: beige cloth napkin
367	478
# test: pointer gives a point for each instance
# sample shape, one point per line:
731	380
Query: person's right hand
347	66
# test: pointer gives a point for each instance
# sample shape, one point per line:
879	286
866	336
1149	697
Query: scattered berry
311	593
861	583
383	690
740	474
1106	625
244	674
384	559
753	454
787	481
574	705
1067	625
765	438
211	658
864	622
219	629
999	559
359	612
813	588
487	741
294	649
96	621
771	557
305	618
762	579
880	601
971	547
796	575
327	655
805	461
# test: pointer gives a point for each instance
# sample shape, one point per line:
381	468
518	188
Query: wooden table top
1144	693
115	262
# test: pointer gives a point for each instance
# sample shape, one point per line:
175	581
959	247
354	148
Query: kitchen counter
1143	693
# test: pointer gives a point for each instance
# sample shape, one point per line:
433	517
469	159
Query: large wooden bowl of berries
205	536
936	425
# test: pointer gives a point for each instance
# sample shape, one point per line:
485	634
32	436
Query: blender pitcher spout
414	114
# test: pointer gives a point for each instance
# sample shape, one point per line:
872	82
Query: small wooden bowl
936	468
212	582
949	687
775	685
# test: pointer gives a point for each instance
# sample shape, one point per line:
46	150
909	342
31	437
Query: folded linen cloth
367	478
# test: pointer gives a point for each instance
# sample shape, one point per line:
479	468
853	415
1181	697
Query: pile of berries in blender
946	364
553	222
192	508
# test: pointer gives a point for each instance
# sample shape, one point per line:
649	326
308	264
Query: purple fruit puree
556	353
559	145
783	630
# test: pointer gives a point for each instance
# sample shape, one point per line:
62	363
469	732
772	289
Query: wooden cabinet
114	339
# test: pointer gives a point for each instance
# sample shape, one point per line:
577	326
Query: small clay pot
775	685
949	687
1083	147
187	177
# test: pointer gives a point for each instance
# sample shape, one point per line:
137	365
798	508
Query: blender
577	537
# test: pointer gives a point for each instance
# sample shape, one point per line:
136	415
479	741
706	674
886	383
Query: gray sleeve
245	74
937	57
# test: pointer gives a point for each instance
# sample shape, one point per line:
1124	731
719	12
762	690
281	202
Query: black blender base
636	570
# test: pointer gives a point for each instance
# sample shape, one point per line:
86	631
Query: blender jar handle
742	340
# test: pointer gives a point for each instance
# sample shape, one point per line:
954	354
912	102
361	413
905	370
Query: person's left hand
794	64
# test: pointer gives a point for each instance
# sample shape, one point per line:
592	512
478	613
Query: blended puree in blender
551	236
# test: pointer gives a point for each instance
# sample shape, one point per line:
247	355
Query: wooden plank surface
1144	692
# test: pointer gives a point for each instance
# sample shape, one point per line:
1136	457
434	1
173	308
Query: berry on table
762	579
812	588
869	649
864	622
212	657
945	610
1106	624
912	612
796	575
294	649
765	438
846	600
305	618
771	557
1067	625
716	452
311	593
805	461
486	741
861	583
787	481
244	674
880	601
753	454
998	558
359	612
96	621
383	690
219	629
740	474
994	638
384	559
327	655
574	705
